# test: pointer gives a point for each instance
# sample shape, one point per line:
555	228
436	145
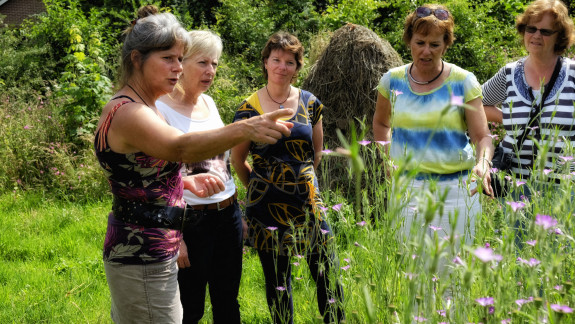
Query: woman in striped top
546	31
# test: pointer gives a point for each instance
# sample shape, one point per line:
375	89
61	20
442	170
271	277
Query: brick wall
16	10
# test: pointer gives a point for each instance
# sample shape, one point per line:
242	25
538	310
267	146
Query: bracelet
488	162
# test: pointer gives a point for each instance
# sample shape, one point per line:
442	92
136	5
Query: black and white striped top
556	118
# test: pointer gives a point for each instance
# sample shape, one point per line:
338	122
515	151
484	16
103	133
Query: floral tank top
140	177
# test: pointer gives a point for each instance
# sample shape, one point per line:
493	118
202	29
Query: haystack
345	78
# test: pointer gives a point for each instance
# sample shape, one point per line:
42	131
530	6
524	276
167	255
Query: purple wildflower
516	205
485	301
364	143
457	100
434	228
545	221
458	261
486	255
564	309
383	142
362	223
532	243
519	183
281	288
336	207
272	228
327	151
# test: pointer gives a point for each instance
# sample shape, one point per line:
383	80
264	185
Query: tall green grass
51	269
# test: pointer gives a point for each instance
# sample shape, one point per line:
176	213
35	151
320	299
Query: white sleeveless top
218	166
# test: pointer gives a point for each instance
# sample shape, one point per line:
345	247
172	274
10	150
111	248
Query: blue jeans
215	247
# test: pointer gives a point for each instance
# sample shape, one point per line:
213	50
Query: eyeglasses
440	14
543	31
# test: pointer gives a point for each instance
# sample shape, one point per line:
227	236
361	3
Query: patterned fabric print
426	125
556	120
137	176
283	206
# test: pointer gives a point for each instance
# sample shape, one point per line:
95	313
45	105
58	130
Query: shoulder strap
533	113
102	131
535	110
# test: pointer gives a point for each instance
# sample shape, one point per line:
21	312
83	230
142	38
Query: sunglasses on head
543	31
440	14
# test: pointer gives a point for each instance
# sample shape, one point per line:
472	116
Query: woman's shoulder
398	70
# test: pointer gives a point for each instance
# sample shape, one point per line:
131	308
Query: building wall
16	10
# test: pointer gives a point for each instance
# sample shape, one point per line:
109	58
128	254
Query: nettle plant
83	84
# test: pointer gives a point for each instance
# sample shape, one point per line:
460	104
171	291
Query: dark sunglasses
543	31
440	14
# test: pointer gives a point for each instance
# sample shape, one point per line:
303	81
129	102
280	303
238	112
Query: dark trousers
215	246
277	273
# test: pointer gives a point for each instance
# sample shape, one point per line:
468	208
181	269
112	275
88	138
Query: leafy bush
82	85
23	64
35	155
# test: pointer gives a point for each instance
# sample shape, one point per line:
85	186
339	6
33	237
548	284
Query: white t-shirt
218	166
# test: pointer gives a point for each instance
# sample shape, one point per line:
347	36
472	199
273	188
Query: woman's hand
482	171
269	128
183	260
203	184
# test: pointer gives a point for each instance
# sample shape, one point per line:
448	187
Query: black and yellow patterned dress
283	205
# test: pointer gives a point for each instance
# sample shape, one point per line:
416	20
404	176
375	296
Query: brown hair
283	41
425	25
561	22
150	32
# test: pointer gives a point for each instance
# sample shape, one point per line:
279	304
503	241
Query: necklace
279	103
425	82
137	94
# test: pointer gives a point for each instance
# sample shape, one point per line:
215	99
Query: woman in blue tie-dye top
431	112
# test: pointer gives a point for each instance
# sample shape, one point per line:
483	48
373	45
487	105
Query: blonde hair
205	42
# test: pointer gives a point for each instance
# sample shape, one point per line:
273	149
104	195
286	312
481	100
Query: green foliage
82	85
363	13
482	55
484	31
18	58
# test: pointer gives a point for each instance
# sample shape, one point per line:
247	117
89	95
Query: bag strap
532	114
